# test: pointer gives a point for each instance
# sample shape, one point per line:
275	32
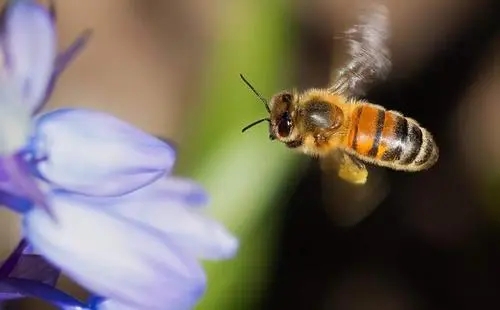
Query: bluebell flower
79	150
96	196
139	249
135	251
24	274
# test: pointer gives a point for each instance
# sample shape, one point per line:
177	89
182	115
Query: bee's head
280	117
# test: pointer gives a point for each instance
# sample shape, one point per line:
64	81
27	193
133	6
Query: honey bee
336	124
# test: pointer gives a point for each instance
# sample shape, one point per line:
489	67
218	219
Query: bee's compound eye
284	125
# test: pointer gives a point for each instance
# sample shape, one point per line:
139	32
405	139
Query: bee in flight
335	124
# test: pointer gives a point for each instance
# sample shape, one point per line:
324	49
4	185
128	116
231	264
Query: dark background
427	245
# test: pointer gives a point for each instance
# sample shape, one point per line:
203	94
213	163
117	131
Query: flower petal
11	262
35	268
18	185
96	154
163	206
114	257
110	304
182	190
62	61
23	275
15	203
12	288
30	47
15	120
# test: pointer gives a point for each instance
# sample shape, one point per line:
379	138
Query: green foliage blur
244	173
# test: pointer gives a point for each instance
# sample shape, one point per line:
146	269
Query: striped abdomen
389	139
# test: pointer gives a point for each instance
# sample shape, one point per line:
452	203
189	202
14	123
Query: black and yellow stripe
390	139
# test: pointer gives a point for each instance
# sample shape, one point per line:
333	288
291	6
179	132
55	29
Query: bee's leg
352	169
345	200
358	163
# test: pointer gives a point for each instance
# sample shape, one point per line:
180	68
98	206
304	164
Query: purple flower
117	222
135	251
79	150
139	249
24	274
93	153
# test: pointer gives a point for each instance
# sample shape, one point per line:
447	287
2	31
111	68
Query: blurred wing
369	55
348	203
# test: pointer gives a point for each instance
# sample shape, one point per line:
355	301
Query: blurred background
171	68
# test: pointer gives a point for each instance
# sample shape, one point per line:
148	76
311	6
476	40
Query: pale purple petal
11	262
110	304
16	181
164	206
114	257
15	203
62	61
68	55
35	268
15	120
25	275
30	47
182	190
12	288
96	154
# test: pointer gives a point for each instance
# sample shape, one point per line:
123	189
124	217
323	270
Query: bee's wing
347	193
369	55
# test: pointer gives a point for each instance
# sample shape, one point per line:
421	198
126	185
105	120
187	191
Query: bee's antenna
257	93
255	123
